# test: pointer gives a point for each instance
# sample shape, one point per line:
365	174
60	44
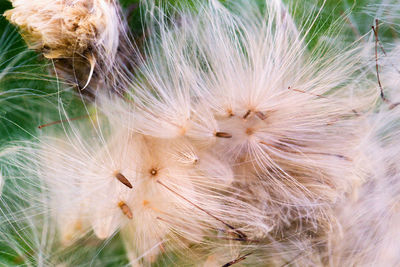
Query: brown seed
153	172
123	179
261	115
247	114
223	135
125	210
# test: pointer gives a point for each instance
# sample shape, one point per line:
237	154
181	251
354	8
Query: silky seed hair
367	229
368	220
104	178
242	84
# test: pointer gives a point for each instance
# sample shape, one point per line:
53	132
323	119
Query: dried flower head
87	38
61	29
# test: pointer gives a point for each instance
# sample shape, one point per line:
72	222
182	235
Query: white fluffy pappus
368	222
242	84
161	195
368	233
26	233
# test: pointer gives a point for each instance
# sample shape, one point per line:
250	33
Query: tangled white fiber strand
234	142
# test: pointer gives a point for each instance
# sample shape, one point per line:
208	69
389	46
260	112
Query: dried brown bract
85	38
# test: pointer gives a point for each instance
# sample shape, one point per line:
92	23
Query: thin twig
375	29
387	101
63	121
236	260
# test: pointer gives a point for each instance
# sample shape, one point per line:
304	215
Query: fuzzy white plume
243	85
